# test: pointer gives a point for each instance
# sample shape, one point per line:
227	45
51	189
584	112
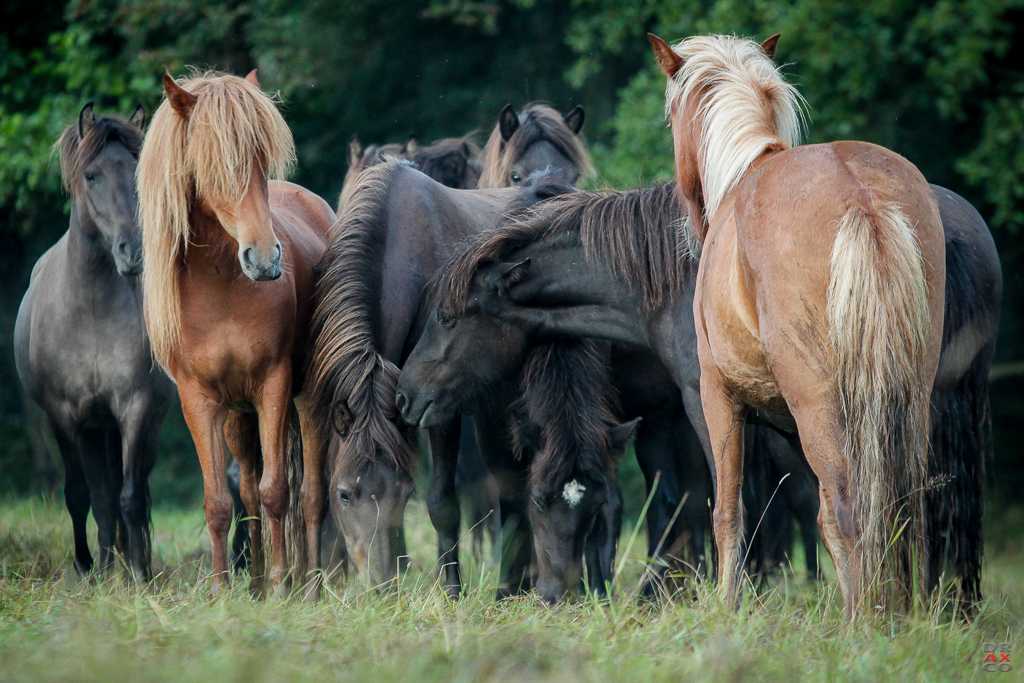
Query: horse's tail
295	522
878	315
954	503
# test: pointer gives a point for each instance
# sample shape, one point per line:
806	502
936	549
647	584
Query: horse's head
536	139
98	161
727	104
231	160
455	364
564	426
370	482
566	498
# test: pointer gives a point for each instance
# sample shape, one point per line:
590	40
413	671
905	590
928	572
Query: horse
450	161
401	230
536	138
570	271
819	300
81	348
229	257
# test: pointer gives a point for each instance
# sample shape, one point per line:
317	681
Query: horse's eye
539	504
89	177
446	321
344	497
516	178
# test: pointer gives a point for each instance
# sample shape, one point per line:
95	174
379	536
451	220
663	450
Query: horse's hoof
256	588
453	591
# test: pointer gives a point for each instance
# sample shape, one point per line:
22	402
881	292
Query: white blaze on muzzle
573	493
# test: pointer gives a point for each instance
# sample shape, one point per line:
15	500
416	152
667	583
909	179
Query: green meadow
56	626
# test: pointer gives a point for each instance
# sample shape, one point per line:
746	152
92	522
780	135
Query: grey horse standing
81	347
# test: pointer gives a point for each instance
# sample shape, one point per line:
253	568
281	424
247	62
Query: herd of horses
786	331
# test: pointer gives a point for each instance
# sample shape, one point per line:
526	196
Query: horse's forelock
76	153
569	399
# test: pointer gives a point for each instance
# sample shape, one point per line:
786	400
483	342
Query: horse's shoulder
303	205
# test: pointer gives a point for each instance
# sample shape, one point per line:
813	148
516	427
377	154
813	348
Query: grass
56	627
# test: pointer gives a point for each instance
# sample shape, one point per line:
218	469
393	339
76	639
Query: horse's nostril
247	256
402	402
122	249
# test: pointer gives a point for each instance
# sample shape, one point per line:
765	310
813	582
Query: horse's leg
654	455
76	494
205	421
443	501
241	432
274	411
314	490
140	426
92	445
510	475
726	420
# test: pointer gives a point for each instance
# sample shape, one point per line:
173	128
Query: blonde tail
879	320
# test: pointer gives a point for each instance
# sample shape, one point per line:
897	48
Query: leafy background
941	82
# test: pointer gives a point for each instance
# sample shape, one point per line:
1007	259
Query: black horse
602	265
81	347
398	227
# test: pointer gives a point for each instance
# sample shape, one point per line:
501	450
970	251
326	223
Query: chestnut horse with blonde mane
819	300
229	259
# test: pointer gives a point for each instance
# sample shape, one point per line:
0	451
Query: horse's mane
746	105
76	152
232	126
345	367
537	122
566	410
633	232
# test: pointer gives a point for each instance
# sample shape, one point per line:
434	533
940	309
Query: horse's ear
341	418
574	119
251	77
138	119
86	120
668	60
769	46
411	146
508	122
181	100
512	273
622	434
355	150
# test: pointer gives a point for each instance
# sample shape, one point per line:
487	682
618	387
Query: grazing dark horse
577	266
81	347
565	429
451	161
229	276
537	138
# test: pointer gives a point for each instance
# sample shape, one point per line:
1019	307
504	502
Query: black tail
955	496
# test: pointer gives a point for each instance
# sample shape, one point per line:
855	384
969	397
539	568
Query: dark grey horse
81	347
598	266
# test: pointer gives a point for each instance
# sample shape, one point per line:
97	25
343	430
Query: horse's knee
218	509
274	496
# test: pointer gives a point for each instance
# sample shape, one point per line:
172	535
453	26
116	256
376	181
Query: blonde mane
232	126
747	106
